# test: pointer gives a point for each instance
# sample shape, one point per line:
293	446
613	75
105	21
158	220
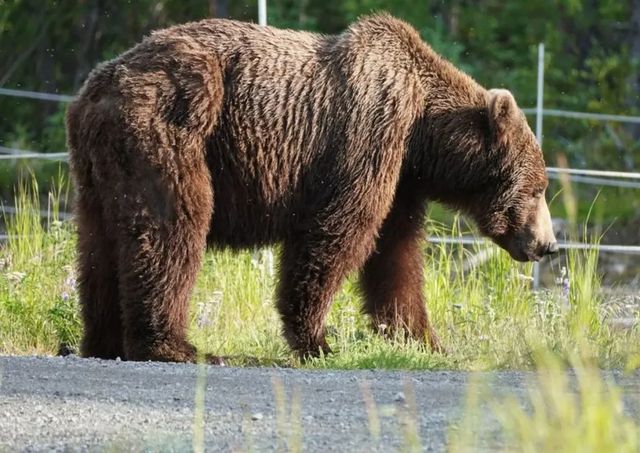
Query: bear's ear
502	110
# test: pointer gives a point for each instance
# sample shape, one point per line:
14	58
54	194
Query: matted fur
228	134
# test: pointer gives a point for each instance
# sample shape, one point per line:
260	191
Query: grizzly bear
227	134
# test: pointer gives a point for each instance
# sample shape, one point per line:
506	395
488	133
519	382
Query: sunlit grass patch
479	300
38	301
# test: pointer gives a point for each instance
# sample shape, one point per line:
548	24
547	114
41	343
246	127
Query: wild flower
255	259
207	311
55	225
565	285
15	277
69	284
203	316
263	261
5	263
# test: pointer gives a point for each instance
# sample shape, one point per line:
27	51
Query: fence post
539	115
267	254
262	12
540	93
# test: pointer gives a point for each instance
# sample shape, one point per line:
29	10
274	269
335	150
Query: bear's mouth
519	250
524	256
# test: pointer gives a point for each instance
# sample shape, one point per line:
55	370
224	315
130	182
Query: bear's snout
522	247
541	230
551	249
537	240
545	249
534	240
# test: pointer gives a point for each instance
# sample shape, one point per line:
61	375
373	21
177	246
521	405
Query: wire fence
54	97
586	115
562	245
553	173
582	176
36	95
15	154
449	240
42	213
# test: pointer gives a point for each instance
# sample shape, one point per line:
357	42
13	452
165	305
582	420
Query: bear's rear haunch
222	133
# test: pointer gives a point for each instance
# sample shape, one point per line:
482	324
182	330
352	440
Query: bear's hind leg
97	282
392	277
163	230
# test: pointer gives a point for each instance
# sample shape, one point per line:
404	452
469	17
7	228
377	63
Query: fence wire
43	96
36	95
563	245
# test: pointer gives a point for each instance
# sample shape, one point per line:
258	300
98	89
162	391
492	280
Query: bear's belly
240	224
250	212
272	173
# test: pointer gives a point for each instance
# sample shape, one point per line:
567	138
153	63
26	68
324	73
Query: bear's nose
552	248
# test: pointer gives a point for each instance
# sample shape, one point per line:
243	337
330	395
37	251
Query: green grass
486	315
564	410
38	302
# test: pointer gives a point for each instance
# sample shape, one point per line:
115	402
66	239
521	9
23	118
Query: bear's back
299	114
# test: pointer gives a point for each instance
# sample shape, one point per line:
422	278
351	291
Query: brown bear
228	134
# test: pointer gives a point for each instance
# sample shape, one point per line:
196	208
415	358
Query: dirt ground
73	404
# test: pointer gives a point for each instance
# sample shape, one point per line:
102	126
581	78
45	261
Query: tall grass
38	302
479	300
565	410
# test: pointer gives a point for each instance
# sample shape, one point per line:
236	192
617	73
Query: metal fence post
267	253
262	12
539	116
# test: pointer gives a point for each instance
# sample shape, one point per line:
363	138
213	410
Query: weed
565	410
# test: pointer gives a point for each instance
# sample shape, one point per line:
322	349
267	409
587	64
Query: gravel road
72	404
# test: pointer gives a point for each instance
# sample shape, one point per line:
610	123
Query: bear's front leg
392	278
312	268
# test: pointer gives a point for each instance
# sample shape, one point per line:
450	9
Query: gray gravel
72	404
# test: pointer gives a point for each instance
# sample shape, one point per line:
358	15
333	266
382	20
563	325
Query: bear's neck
449	146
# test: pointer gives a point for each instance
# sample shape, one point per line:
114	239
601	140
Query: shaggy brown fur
224	133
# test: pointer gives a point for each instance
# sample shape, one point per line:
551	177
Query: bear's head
512	210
